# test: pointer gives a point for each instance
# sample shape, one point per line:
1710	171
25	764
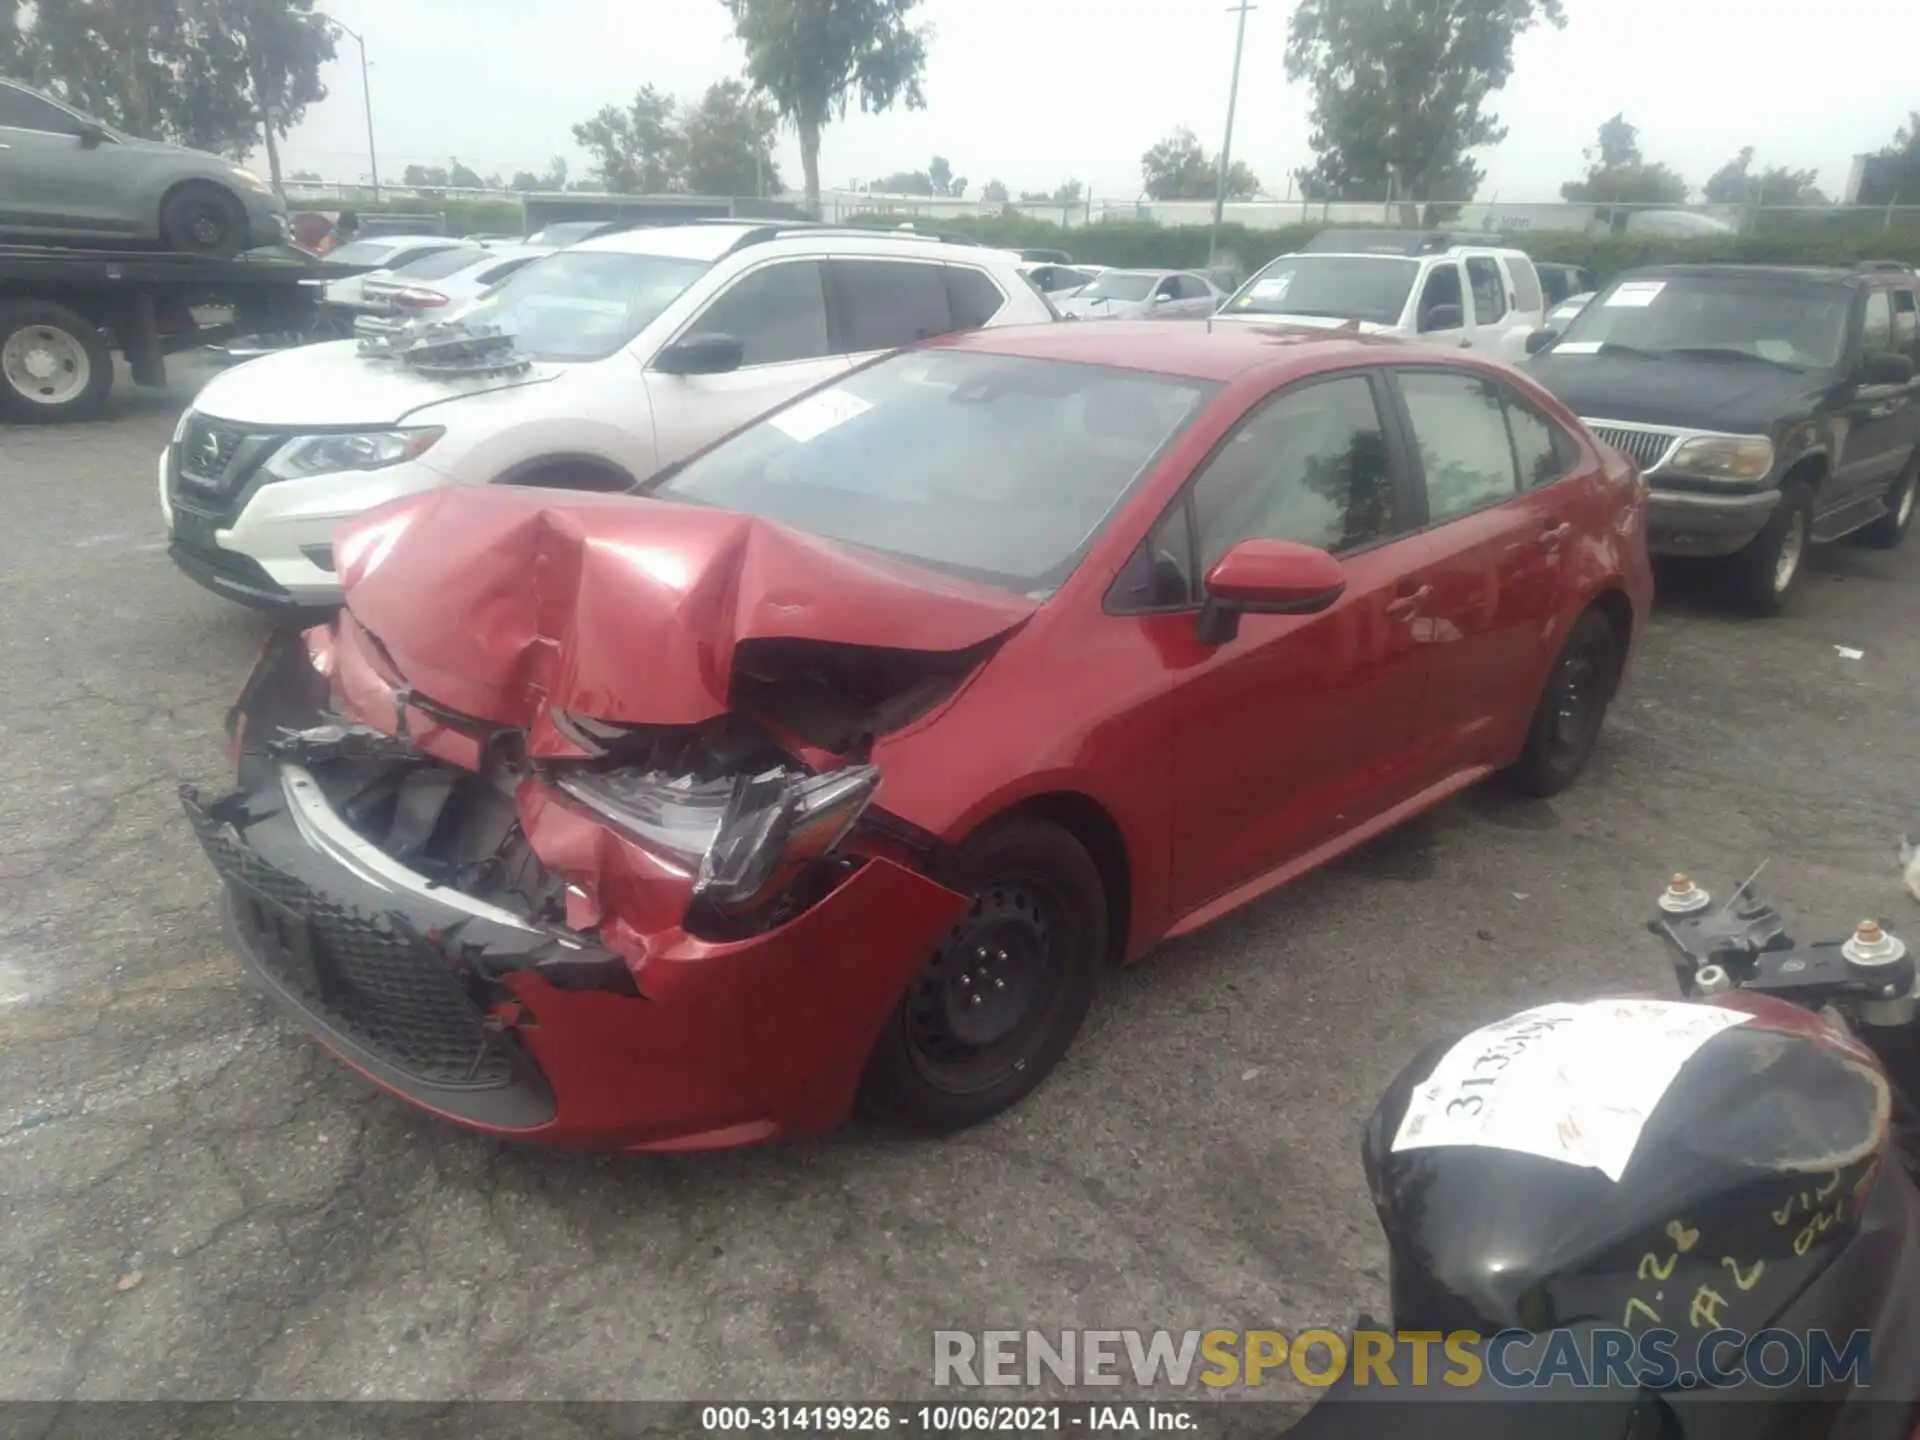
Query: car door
1496	579
48	178
778	312
880	303
1301	726
1491	304
1195	296
1882	420
1442	316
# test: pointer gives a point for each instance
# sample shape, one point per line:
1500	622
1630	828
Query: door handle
1405	606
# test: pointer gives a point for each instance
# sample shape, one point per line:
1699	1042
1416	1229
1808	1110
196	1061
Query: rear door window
1489	294
1460	432
885	304
1905	336
1876	325
1526	283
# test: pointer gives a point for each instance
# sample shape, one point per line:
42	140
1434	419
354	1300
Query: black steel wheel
200	218
1566	723
999	1002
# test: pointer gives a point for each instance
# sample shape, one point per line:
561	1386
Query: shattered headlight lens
1723	457
306	455
745	838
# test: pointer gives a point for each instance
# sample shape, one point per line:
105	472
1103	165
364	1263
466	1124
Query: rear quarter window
974	297
1526	284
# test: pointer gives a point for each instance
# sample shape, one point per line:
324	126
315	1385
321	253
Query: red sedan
834	768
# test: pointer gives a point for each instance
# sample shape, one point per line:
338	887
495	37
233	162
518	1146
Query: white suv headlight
357	450
1723	457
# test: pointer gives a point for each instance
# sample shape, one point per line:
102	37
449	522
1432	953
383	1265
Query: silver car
64	174
1141	294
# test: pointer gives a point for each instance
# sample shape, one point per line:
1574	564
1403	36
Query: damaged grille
391	992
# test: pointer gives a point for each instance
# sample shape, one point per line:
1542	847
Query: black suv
1768	406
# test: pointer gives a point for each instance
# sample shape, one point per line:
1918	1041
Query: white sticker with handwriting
1273	288
1575	1083
1636	293
817	414
1577	347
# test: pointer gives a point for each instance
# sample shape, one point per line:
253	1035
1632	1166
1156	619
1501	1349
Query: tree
525	180
941	174
462	178
726	143
1892	177
1068	192
556	176
307	177
813	57
636	151
426	177
1177	168
957	187
1618	174
1735	183
1400	89
994	192
215	74
904	182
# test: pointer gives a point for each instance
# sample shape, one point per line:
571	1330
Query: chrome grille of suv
1647	447
204	455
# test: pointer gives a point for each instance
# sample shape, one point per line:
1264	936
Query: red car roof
1197	350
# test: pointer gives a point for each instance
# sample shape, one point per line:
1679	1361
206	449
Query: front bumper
633	1034
1688	522
270	546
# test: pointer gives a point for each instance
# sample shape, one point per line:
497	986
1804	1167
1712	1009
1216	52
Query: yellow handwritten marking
1828	1188
1683	1238
1636	1303
1784	1214
1650	1266
1705	1312
1748	1280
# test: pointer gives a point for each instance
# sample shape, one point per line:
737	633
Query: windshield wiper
1722	352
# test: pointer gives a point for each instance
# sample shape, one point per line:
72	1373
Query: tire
1002	998
1903	498
1761	576
54	365
1572	708
200	218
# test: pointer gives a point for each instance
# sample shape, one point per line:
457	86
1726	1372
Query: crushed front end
673	936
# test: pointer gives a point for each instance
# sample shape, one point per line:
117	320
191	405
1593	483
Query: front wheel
1566	723
200	218
54	364
999	1002
1762	575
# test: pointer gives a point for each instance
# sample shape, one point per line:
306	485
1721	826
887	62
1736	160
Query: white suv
1447	289
592	367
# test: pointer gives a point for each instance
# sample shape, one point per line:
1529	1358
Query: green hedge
1143	244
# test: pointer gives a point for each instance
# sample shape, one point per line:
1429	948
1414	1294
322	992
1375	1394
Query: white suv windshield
997	468
584	304
1373	288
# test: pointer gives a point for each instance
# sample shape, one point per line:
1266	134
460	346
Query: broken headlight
743	838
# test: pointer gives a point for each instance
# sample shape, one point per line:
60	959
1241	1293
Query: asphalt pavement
195	1203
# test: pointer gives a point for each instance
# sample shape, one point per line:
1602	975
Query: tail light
418	297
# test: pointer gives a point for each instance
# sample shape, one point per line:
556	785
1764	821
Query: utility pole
1226	145
366	95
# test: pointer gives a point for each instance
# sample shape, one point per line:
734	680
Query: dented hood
499	602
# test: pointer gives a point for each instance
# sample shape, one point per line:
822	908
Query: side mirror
92	137
1888	367
701	355
1443	317
1267	577
1540	339
1161	297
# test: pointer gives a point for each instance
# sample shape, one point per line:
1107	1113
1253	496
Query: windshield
584	304
1789	322
1373	288
441	263
1119	285
996	468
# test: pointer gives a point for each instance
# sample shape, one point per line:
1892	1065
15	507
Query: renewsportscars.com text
1581	1359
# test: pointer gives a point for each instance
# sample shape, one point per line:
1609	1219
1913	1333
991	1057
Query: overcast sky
1032	92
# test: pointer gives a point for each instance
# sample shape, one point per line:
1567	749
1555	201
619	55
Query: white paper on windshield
1273	289
817	414
1574	1083
1577	347
1637	293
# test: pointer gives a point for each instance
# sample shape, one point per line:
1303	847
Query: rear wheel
999	1002
1891	528
1566	723
54	364
1761	576
202	219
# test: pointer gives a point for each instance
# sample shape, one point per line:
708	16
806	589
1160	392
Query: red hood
497	601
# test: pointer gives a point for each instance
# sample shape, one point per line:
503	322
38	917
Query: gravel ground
194	1203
